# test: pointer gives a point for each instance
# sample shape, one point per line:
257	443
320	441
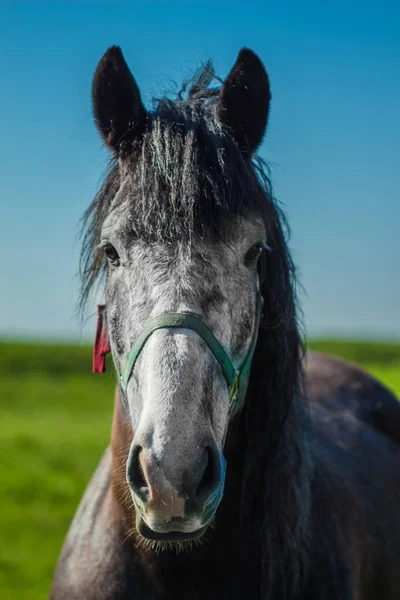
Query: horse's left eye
111	254
253	255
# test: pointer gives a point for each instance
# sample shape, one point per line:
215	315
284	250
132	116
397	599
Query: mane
276	507
186	178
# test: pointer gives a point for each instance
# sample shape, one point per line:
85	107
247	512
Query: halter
236	379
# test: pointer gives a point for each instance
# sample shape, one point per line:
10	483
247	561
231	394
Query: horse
240	466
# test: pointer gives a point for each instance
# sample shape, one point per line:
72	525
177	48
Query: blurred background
333	149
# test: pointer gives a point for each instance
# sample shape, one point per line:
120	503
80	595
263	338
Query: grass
381	360
55	422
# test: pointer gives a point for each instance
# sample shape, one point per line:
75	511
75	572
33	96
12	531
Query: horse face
177	396
171	165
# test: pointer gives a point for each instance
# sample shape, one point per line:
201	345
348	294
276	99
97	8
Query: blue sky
332	143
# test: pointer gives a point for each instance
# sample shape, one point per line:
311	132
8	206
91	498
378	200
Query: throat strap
235	378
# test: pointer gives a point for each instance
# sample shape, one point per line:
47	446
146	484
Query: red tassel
102	343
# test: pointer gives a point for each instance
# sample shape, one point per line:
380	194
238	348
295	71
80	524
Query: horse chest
196	581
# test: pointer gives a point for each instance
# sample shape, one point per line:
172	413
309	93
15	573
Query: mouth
169	536
175	530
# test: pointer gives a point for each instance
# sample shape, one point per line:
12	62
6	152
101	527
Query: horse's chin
164	540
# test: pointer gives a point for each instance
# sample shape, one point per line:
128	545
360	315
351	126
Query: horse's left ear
244	101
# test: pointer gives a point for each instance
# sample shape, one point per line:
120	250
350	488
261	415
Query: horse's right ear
118	109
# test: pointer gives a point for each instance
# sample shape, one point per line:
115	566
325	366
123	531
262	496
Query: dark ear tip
251	60
113	51
247	54
112	56
110	61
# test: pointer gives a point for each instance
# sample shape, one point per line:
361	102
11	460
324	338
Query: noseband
235	378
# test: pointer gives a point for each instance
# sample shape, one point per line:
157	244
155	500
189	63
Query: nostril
135	475
211	475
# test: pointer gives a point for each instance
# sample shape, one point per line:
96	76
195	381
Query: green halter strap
234	377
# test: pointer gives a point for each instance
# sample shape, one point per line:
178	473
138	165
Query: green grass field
55	423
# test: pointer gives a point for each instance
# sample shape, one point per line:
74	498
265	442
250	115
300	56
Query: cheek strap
102	343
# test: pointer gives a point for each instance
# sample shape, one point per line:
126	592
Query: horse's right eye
111	254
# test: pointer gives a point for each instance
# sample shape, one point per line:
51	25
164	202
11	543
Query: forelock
188	175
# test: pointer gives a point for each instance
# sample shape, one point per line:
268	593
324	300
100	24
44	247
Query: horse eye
111	254
253	255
